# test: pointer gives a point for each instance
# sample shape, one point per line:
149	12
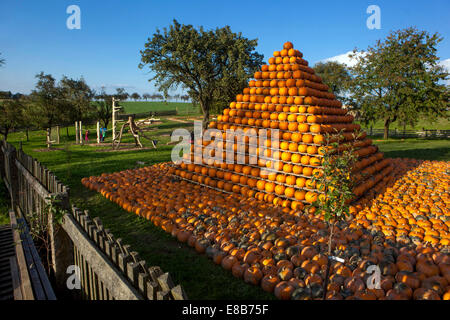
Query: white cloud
446	64
344	58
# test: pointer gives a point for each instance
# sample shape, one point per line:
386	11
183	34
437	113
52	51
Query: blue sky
105	51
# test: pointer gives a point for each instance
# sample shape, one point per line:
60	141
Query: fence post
11	155
98	131
76	132
81	133
62	249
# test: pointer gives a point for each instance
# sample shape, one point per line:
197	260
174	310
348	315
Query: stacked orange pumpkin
404	231
284	116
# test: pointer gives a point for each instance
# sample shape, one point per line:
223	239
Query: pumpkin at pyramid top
287	100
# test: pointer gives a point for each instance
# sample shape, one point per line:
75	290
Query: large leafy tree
135	96
10	111
103	105
77	96
336	75
212	65
399	79
121	94
47	107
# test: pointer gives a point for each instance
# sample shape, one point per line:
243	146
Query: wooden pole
76	132
98	132
81	133
113	118
48	138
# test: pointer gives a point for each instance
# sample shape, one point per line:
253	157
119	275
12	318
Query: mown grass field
442	123
201	278
146	106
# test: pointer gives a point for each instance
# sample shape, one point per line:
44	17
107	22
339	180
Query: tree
336	75
26	119
399	79
6	95
121	94
10	111
103	105
47	108
185	98
135	96
146	96
335	182
2	61
77	97
212	65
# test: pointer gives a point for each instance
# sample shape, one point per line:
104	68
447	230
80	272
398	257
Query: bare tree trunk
26	133
205	109
327	272
386	129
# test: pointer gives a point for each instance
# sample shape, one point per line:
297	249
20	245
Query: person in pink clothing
86	138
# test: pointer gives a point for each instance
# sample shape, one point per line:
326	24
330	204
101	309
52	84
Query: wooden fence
105	267
425	133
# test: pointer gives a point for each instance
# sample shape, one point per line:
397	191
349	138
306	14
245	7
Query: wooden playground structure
132	125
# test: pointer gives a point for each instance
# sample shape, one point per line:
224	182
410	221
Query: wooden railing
105	267
425	133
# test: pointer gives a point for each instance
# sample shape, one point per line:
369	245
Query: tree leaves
399	79
213	66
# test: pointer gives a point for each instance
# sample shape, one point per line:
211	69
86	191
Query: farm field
147	106
442	123
71	163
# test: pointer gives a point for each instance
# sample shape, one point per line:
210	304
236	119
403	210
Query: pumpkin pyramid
284	114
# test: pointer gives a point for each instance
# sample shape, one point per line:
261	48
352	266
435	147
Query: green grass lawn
442	123
415	148
146	106
201	278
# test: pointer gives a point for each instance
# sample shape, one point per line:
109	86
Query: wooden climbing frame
135	131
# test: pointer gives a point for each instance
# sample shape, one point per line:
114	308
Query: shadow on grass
441	154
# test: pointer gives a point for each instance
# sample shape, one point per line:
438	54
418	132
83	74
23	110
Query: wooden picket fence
107	269
395	133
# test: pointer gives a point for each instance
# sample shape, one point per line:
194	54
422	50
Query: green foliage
103	107
76	97
335	181
41	222
121	94
400	79
135	96
336	75
4	203
46	108
213	66
10	111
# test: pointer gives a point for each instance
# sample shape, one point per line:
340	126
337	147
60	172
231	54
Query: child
103	134
86	138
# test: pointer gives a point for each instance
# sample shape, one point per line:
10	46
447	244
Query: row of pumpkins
404	231
275	136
